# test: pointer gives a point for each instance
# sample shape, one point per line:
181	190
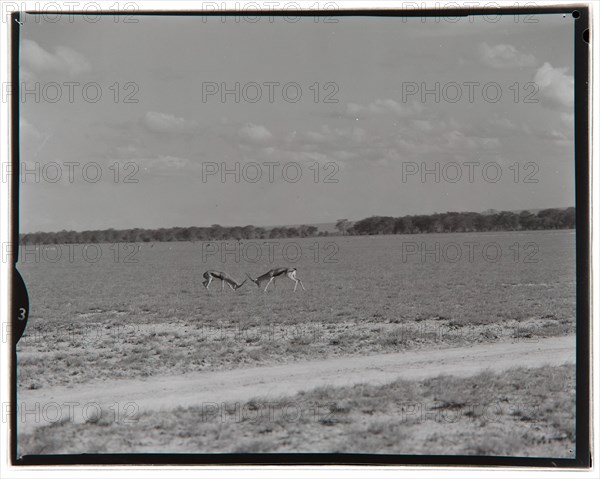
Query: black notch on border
20	307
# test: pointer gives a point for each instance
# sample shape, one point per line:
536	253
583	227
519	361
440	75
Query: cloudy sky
379	127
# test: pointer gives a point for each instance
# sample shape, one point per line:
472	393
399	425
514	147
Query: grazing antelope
224	277
275	273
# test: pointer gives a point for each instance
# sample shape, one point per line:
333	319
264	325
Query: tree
549	218
384	225
423	223
527	220
249	232
236	233
303	231
216	232
567	219
342	226
403	225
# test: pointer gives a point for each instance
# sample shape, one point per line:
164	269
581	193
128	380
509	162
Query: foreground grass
114	319
521	412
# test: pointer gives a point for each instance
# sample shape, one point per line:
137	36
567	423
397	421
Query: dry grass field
92	322
112	319
521	412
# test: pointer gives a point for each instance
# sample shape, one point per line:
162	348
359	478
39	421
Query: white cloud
127	152
255	133
567	119
157	122
354	109
28	131
504	56
387	105
147	160
326	144
36	60
345	156
382	106
317	137
352	135
32	139
460	141
163	162
423	125
556	86
502	123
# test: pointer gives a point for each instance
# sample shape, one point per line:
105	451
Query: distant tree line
375	225
192	233
548	219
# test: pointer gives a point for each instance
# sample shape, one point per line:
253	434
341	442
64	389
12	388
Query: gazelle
276	273
224	277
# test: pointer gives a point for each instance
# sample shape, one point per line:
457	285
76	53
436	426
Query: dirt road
40	407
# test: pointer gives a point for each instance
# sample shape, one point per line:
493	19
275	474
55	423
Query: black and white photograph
258	233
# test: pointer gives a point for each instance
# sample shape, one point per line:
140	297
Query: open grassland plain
139	312
518	412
